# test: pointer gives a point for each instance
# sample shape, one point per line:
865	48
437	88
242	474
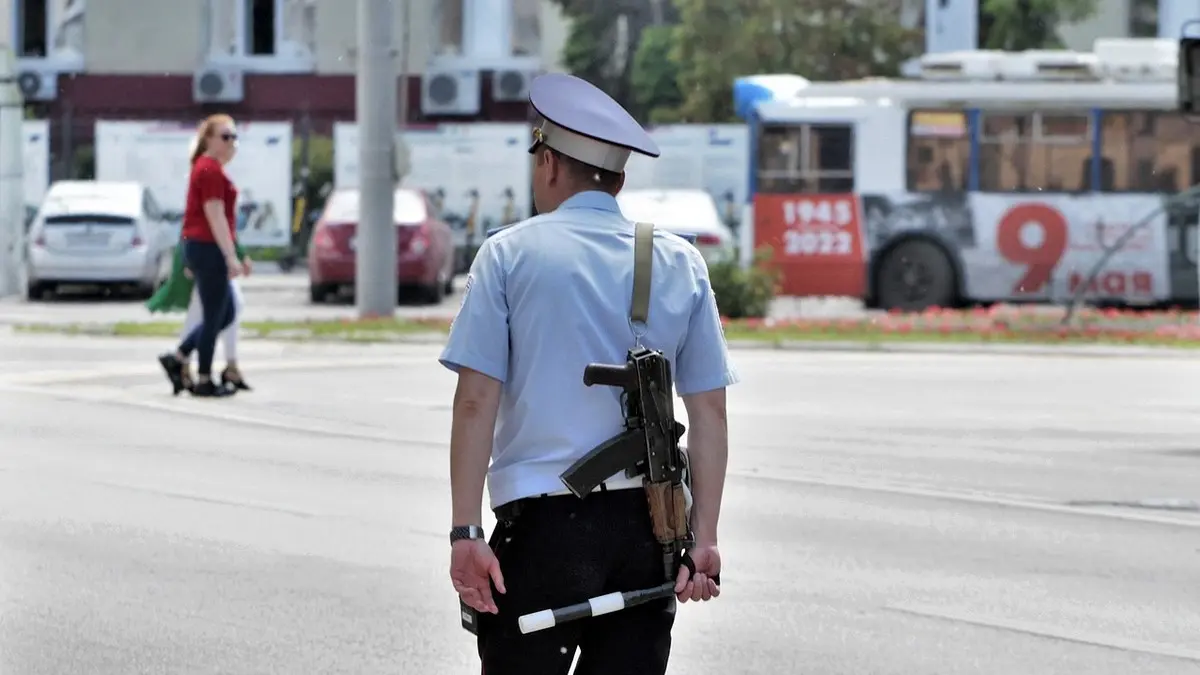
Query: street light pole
401	148
375	89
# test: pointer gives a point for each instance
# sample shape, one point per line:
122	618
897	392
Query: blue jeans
211	274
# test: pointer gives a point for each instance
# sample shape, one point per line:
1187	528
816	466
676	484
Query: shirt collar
592	199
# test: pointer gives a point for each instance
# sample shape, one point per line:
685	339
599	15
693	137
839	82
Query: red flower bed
1033	323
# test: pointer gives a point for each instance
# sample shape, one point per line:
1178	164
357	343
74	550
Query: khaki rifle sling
643	263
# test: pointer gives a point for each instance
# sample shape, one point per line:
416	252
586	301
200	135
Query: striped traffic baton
601	604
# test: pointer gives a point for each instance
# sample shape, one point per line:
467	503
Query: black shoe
228	380
174	370
211	389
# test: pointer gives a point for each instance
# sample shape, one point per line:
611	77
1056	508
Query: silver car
685	212
107	234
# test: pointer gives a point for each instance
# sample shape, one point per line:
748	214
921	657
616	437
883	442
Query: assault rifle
649	447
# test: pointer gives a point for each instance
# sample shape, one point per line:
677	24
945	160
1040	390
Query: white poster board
479	174
156	154
710	157
35	158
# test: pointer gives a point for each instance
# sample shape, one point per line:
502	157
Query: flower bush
997	323
744	293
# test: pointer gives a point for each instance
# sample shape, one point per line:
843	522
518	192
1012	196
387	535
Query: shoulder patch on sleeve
466	288
717	311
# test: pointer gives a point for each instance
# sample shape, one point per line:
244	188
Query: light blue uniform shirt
548	296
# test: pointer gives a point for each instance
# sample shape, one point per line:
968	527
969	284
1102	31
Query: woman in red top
208	235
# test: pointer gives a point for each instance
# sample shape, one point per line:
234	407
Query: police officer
544	298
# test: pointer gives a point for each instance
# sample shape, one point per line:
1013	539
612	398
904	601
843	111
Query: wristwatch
466	532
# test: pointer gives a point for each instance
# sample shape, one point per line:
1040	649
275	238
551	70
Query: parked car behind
424	246
106	234
683	212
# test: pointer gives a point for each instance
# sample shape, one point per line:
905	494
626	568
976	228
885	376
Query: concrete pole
12	202
401	148
375	89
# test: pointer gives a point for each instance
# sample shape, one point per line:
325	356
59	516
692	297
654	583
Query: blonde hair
205	131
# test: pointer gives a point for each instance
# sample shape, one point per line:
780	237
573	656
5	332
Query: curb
996	349
930	348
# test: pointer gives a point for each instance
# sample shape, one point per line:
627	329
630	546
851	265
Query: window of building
47	29
263	35
526	28
806	159
448	27
1148	151
259	24
1143	18
1035	152
939	151
32	26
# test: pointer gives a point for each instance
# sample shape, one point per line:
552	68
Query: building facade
293	60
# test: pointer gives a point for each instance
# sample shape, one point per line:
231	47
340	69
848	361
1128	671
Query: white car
89	233
683	212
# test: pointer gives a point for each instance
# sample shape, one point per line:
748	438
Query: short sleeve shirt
550	295
206	183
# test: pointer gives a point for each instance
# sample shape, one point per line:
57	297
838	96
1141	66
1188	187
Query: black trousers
559	551
211	275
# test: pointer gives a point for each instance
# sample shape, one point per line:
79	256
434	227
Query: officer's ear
620	183
553	166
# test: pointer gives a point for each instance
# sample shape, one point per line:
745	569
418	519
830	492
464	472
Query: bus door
1182	220
805	209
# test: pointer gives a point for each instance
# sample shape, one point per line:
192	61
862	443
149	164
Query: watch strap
466	532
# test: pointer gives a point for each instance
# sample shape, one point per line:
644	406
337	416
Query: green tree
604	39
719	40
584	54
1015	25
654	76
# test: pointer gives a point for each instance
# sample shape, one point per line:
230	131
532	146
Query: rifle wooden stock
668	511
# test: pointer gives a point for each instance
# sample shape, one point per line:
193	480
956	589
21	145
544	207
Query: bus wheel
915	275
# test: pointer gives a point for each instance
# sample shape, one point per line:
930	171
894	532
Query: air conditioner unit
1050	66
1138	59
961	65
218	84
510	84
38	85
450	91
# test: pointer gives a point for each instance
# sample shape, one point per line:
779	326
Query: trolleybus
988	177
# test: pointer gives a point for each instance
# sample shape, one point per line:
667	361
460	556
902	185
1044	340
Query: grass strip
1168	334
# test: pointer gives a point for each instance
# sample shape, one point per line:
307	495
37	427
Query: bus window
806	159
939	151
1035	152
1149	151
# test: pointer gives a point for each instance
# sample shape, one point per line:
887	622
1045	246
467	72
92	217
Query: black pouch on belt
506	515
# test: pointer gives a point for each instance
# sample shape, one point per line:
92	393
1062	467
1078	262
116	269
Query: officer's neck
569	194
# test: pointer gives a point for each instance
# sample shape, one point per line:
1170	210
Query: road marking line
295	426
150	369
237	503
980	499
291	426
1053	633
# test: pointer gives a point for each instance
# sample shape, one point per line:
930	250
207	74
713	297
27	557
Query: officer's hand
701	586
473	567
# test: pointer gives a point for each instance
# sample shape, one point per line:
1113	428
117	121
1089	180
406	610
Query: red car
424	247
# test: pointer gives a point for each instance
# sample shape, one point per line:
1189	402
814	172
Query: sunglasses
229	136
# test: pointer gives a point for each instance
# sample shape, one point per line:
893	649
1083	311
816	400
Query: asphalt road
885	515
